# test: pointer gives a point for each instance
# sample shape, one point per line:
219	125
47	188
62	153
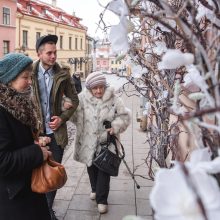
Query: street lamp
94	54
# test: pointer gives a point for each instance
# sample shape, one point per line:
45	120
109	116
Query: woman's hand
46	153
43	141
67	105
110	130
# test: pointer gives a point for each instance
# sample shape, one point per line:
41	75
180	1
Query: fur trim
89	118
19	105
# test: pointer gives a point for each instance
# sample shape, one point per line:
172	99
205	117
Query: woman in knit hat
19	155
97	103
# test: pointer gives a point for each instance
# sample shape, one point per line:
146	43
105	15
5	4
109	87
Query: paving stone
143	192
143	207
72	181
83	188
147	217
123	174
85	178
81	215
117	184
74	172
144	182
82	202
60	207
117	212
65	193
121	198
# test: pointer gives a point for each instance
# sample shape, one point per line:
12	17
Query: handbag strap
112	139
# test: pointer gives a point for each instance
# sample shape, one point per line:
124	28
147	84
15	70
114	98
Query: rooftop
49	12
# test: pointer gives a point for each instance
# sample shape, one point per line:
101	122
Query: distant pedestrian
77	81
19	155
97	103
51	83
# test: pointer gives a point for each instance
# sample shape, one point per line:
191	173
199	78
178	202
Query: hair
41	47
28	68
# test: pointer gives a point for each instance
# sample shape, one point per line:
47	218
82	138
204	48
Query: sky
88	11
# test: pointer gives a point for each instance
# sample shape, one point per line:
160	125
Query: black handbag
108	161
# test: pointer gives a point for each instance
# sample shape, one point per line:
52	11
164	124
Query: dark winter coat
62	85
18	157
78	84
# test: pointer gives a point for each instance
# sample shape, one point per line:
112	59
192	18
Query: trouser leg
102	187
92	172
57	154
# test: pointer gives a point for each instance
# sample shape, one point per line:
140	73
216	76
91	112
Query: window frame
61	41
38	35
70	43
25	38
7	47
6	17
76	43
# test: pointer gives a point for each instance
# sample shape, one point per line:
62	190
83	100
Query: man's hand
55	123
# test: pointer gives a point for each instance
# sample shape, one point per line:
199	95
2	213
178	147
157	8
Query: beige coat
89	118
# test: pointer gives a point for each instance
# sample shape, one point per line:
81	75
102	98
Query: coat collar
109	93
56	68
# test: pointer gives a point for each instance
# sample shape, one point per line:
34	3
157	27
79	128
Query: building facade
7	26
89	57
102	54
35	19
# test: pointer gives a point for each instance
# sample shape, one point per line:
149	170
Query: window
5	47
112	61
70	43
25	39
80	64
29	8
81	44
6	16
37	35
76	43
61	42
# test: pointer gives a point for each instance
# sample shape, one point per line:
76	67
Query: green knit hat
11	65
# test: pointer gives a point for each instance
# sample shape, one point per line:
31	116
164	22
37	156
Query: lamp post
94	55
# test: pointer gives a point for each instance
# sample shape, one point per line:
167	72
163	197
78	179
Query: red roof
48	12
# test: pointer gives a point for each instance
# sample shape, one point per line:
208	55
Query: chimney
54	3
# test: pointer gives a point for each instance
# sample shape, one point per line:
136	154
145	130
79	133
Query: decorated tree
172	48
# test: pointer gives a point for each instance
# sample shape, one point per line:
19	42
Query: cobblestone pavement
72	201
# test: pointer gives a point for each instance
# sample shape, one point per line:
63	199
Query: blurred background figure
77	81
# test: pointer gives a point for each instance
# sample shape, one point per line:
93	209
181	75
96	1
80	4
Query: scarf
20	106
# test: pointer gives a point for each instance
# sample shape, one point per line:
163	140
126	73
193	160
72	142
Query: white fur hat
95	79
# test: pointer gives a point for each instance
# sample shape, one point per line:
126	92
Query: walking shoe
92	195
102	208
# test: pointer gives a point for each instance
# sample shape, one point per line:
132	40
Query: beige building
89	57
36	18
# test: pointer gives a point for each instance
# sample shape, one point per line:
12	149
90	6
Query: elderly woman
98	103
19	155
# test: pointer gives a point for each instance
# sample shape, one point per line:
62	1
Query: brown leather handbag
50	176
